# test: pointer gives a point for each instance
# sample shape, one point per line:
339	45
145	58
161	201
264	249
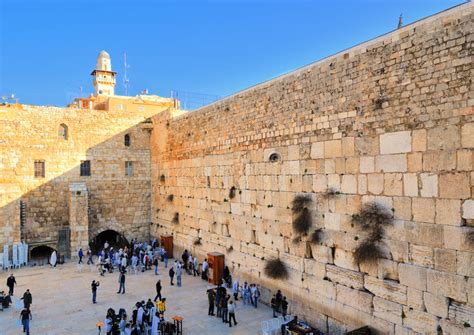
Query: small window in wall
127	140
274	157
128	168
85	168
63	131
39	169
22	213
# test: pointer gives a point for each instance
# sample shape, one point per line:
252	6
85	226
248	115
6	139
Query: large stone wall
115	201
389	121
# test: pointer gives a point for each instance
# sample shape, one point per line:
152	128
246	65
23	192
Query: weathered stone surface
436	305
355	298
429	185
386	289
445	260
391	163
444	138
448	285
454	186
395	143
387	310
468	209
345	277
412	276
420	321
467	135
448	212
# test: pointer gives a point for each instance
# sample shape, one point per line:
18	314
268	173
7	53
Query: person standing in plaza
231	310
11	282
179	274
27	299
53	259
89	257
80	254
155	263
211	297
121	282
94	286
171	273
195	266
25	317
278	300
284	307
158	290
255	293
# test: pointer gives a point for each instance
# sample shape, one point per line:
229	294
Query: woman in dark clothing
158	290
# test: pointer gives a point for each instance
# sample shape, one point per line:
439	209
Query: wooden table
178	324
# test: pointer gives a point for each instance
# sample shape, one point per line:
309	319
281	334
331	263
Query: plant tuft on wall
276	269
302	220
232	192
371	219
170	198
176	218
316	236
331	193
162	178
197	241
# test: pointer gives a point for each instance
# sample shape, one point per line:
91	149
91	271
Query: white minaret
104	77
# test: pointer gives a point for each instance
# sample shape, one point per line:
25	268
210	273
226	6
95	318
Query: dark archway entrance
114	239
40	255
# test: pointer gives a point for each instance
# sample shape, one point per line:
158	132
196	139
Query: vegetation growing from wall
276	269
371	219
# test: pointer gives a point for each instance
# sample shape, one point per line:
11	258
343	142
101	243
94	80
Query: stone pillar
78	217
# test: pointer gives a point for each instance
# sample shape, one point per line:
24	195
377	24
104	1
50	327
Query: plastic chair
266	329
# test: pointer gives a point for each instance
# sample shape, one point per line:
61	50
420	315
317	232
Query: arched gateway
114	238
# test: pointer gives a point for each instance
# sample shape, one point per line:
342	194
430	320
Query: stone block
412	276
348	146
345	277
387	310
415	299
454	186
387	269
415	162
375	183
362	184
468	209
428	185
467	135
464	161
345	259
436	304
402	207
352	165
349	184
367	146
317	150
391	163
439	161
445	260
444	138
448	212
423	209
393	184
314	268
419	321
395	143
386	289
461	313
465	263
320	183
422	256
448	285
332	149
410	184
367	164
419	140
358	299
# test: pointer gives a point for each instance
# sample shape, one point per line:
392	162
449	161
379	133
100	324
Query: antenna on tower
400	21
125	78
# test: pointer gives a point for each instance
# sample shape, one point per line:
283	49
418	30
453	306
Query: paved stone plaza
62	302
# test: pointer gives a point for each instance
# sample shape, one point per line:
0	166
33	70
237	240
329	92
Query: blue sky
48	48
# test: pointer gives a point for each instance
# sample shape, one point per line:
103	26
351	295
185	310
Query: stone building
389	121
68	174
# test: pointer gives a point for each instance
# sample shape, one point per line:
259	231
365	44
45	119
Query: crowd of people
6	302
148	317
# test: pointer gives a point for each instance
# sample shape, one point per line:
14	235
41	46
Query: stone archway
114	238
39	255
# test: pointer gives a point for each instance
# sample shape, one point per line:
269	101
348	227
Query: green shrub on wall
276	269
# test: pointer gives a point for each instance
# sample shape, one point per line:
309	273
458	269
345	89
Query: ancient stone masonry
62	138
388	122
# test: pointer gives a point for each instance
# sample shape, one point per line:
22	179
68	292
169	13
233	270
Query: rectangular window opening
128	168
85	168
39	169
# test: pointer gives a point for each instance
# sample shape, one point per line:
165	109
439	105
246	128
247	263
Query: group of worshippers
146	318
190	265
6	301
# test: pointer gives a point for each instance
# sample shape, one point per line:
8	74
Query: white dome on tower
103	61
